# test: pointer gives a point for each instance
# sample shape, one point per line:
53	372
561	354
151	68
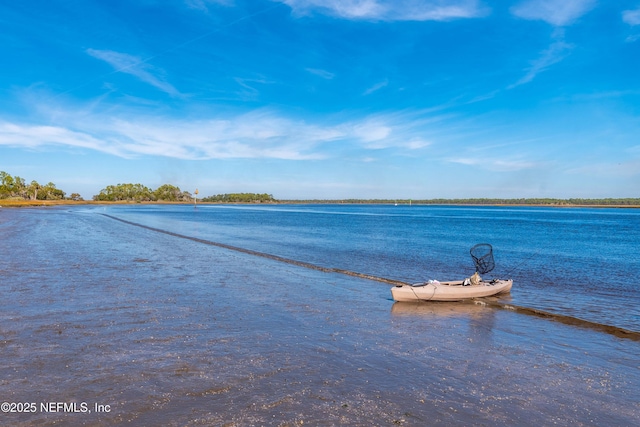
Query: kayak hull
449	291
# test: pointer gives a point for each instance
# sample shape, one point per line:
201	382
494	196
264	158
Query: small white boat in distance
449	291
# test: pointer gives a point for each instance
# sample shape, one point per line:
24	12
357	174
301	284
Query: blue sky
325	98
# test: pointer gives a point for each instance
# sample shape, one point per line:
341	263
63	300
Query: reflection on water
478	319
437	309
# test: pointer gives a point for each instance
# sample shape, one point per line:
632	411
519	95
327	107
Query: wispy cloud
597	96
242	137
559	13
402	130
390	10
554	54
496	165
632	17
203	5
556	12
262	133
129	64
32	136
322	73
376	87
248	84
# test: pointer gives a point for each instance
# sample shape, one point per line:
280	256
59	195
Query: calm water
160	330
578	262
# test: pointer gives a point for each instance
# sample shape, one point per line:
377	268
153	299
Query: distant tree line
486	201
170	193
141	193
530	201
14	187
240	198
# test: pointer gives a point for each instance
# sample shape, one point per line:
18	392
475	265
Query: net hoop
482	255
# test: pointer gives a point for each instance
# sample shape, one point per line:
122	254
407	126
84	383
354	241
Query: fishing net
482	255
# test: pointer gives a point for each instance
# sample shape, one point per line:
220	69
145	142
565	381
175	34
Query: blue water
578	262
173	331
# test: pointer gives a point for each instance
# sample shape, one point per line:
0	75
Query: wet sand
159	330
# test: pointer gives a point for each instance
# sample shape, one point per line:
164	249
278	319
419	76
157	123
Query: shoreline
8	203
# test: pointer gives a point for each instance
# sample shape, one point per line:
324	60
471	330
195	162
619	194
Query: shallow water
577	262
168	331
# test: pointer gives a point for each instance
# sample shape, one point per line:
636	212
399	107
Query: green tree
170	193
19	187
33	189
240	198
6	185
125	192
12	186
50	192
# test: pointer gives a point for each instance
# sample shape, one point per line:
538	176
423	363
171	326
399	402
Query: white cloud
496	165
248	84
247	136
381	131
203	5
32	136
376	87
253	135
555	12
322	73
260	133
465	161
631	17
554	54
135	130
416	143
371	132
390	10
129	64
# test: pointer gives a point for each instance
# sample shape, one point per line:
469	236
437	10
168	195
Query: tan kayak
449	291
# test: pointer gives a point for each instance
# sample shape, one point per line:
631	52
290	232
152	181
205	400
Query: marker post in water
195	200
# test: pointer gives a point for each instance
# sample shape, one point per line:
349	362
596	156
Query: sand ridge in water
494	302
